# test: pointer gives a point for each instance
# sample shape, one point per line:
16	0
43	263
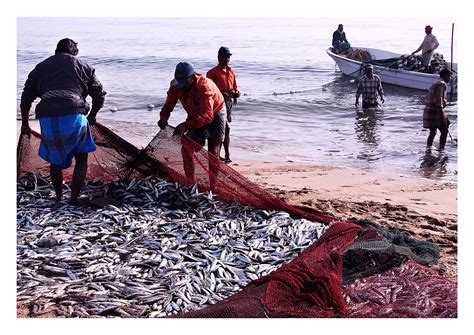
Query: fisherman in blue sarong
63	82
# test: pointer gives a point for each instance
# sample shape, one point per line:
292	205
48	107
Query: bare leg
214	148
57	179
431	137
442	139
188	163
78	176
226	144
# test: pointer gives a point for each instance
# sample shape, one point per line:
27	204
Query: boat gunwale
378	67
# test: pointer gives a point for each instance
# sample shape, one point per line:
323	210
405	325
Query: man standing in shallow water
434	117
63	82
224	77
369	86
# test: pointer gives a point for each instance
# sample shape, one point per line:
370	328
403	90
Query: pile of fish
414	63
159	250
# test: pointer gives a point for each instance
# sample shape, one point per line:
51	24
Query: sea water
295	106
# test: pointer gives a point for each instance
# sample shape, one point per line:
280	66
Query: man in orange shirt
204	104
224	77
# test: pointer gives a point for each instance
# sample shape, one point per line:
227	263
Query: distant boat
400	77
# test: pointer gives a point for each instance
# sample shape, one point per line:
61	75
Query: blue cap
369	66
183	71
224	51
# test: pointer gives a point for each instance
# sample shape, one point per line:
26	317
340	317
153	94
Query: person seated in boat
428	46
369	86
339	40
434	117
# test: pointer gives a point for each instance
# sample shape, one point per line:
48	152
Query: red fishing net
406	291
178	159
309	286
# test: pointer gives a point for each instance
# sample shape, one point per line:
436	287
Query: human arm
25	126
419	48
171	100
97	94
180	129
28	95
380	90
344	38
435	44
358	93
335	39
235	89
440	96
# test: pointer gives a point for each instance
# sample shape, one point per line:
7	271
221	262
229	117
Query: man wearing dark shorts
224	77
204	104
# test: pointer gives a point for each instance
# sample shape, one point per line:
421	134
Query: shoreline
349	184
423	208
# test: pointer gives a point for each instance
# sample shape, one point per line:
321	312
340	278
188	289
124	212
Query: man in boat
224	77
369	86
63	82
434	117
203	102
428	46
339	40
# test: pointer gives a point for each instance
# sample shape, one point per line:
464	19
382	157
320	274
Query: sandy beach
424	208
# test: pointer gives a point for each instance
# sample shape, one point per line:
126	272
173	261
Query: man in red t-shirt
224	77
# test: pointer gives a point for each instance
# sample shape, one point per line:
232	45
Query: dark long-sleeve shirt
62	82
338	38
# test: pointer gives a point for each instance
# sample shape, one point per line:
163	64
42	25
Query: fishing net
328	279
312	285
406	291
178	159
114	157
411	63
360	55
422	252
308	286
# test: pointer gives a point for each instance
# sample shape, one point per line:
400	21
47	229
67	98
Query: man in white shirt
429	44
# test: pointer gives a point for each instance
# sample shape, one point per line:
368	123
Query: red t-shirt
225	80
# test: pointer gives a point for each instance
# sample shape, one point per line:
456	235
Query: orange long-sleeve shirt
225	80
202	102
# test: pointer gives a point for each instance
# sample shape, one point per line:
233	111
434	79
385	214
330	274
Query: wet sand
424	208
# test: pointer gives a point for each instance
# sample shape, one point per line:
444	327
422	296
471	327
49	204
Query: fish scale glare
163	249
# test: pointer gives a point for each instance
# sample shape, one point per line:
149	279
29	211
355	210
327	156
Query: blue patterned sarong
63	136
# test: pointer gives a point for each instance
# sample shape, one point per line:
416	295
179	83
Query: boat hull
400	77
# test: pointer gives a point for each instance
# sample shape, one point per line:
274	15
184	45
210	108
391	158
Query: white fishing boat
395	76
